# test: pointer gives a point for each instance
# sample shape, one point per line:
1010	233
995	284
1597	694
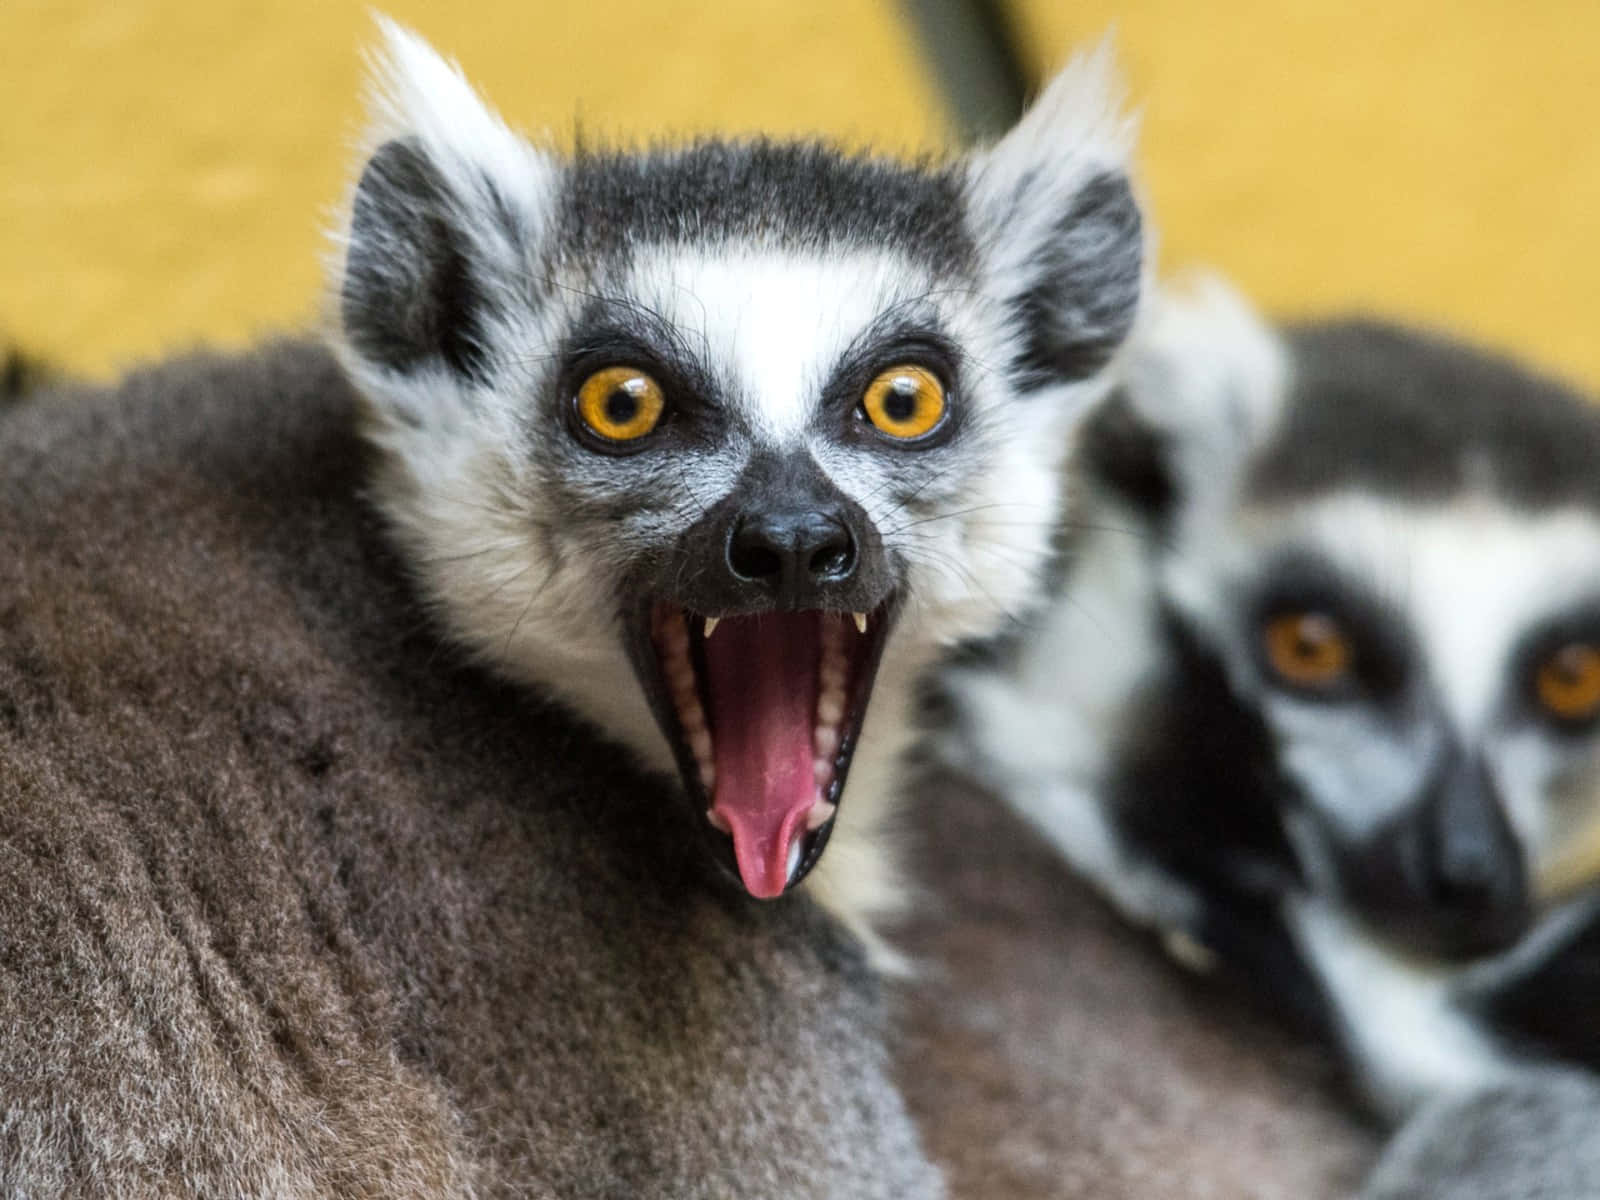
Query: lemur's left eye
905	402
1568	682
620	404
1306	649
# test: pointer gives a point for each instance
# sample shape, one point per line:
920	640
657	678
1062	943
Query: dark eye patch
617	331
904	334
1383	651
1577	625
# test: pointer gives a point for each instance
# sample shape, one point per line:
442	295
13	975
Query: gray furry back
291	904
1536	1137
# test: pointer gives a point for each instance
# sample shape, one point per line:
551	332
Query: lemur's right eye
1568	682
620	404
1306	650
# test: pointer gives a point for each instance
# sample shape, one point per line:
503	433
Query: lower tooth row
826	741
830	708
821	813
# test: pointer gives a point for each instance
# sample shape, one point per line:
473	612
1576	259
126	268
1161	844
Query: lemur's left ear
1053	206
442	226
1207	379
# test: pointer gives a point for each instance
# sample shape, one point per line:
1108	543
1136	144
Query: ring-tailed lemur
1321	694
291	903
722	442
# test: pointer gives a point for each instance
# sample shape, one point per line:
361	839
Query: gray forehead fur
1417	416
800	195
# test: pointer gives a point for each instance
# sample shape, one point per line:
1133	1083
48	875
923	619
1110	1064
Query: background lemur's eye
1306	649
620	404
905	402
1568	682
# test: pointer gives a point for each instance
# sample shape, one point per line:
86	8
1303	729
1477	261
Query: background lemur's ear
1053	203
1205	379
442	224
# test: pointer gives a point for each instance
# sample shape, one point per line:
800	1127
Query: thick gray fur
1533	1138
293	903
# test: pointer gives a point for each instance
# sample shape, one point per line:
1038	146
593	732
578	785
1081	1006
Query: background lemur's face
696	436
1418	629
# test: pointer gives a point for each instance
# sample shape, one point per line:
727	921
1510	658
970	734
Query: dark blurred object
20	374
977	62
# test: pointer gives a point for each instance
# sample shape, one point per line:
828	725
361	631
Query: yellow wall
165	165
1438	159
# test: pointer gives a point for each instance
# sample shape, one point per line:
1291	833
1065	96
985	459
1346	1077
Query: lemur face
1418	630
1429	676
700	438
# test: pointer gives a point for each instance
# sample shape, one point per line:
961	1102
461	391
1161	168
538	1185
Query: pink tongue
761	673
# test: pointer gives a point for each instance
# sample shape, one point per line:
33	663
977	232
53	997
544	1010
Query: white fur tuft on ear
1074	131
415	93
431	283
1209	374
1064	240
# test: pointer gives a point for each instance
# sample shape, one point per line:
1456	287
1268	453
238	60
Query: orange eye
905	402
1568	682
1306	649
620	404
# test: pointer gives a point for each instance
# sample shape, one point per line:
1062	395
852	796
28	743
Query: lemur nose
1472	872
790	553
1474	860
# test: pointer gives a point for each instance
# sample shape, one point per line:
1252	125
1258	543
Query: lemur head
720	443
1388	547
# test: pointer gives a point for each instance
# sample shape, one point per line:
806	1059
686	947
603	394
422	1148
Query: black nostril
836	557
753	558
792	552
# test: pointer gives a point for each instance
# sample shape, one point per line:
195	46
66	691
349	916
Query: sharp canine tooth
861	622
718	820
794	857
711	625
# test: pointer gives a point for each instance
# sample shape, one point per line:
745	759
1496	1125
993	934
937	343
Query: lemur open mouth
763	712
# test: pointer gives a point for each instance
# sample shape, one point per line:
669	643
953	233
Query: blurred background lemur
712	448
1319	701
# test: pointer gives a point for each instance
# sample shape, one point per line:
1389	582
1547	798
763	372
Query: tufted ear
441	228
1053	203
1209	378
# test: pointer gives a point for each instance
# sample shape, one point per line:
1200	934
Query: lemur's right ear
1064	240
442	226
1207	380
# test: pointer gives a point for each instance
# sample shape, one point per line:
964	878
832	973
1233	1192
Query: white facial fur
1399	1018
1044	730
483	515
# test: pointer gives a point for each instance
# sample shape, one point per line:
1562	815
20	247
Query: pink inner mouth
777	686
